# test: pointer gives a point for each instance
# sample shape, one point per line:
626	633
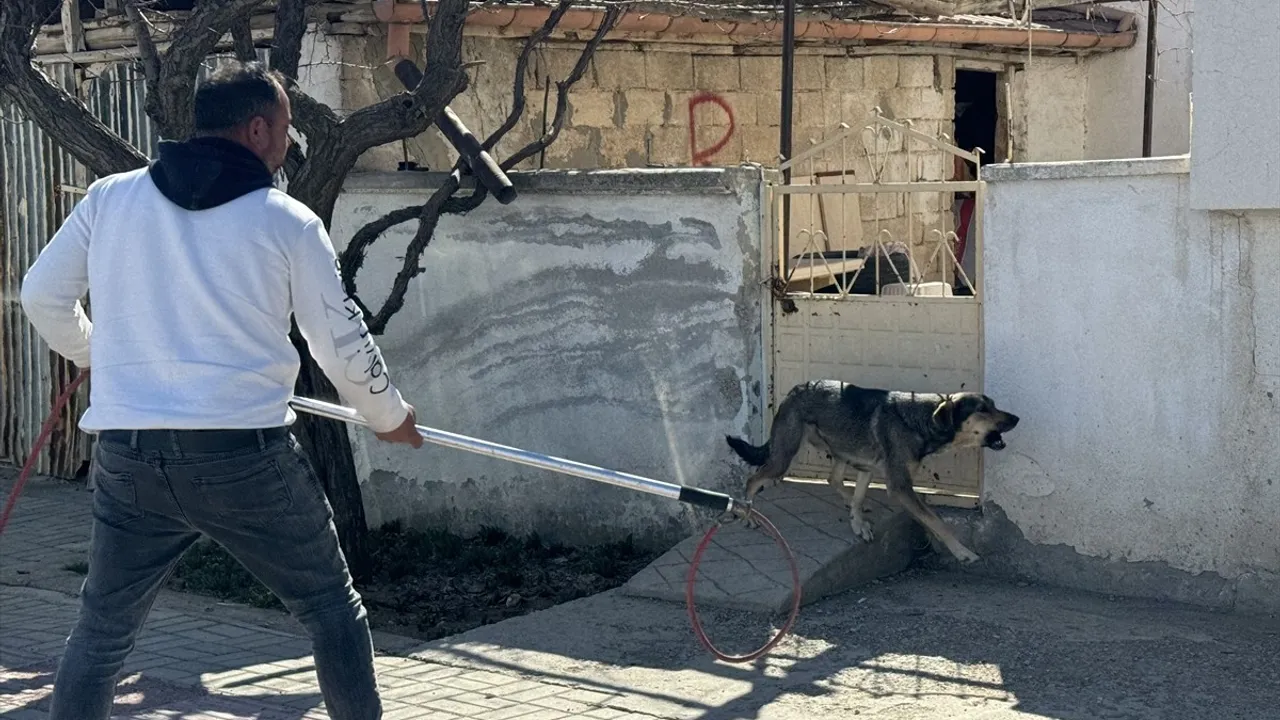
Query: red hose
698	631
693	577
58	405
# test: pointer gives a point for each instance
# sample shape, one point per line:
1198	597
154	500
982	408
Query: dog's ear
944	415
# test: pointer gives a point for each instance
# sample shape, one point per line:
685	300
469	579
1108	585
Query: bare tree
444	200
315	177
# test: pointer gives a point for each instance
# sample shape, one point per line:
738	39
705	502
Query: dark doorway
977	112
977	125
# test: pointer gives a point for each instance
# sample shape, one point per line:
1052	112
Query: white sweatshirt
191	310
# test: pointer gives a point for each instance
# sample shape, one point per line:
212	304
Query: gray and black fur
882	432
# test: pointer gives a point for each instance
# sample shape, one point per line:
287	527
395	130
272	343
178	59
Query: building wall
632	107
1091	108
1237	86
613	318
1139	340
1050	97
1117	83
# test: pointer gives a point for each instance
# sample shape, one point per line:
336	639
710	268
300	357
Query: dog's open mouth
994	440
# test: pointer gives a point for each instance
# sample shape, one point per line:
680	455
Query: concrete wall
1237	86
1139	340
612	318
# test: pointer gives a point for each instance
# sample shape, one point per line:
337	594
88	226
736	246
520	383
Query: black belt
194	441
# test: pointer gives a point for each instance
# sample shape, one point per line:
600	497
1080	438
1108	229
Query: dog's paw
966	556
861	528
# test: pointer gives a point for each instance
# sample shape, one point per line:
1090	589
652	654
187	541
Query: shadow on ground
29	688
923	645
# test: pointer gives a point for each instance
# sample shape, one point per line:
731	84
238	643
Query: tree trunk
328	445
326	441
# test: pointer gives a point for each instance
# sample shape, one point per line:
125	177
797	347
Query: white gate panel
919	345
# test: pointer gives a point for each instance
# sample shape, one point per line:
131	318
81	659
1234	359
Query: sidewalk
205	668
199	659
922	646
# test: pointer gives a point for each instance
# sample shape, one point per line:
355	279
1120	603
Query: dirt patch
429	585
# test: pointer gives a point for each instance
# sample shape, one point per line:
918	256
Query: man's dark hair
234	94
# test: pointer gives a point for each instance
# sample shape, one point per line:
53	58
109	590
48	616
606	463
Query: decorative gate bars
877	280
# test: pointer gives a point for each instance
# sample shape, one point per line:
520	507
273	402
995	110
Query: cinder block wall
632	108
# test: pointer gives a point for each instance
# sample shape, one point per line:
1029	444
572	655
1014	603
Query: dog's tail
754	455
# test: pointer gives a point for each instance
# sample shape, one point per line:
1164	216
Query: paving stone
563	704
192	668
925	646
418	692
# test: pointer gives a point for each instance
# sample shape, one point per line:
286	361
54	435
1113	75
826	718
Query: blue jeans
255	493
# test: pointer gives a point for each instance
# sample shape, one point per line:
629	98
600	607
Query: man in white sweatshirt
195	265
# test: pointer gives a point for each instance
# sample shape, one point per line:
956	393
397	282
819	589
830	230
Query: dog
885	432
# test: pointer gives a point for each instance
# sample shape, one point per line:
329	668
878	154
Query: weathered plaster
1117	87
1237	101
610	318
1139	341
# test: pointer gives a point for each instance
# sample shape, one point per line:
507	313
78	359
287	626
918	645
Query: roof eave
113	36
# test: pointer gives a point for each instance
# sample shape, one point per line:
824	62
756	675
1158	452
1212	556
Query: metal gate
876	261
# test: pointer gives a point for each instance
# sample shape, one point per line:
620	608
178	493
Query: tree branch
191	43
147	53
54	110
294	159
522	69
410	113
313	118
152	64
563	87
242	36
352	258
428	219
442	201
319	181
20	21
291	27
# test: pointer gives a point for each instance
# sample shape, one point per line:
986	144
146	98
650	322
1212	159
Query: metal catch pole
683	493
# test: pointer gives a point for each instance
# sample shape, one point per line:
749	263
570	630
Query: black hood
206	172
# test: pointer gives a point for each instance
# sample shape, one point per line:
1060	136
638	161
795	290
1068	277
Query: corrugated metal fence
41	183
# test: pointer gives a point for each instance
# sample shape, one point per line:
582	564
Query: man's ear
944	415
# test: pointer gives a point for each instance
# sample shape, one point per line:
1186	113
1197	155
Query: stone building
703	85
678	84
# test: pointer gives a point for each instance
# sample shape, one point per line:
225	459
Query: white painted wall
1237	88
1117	83
1091	108
320	68
1139	340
